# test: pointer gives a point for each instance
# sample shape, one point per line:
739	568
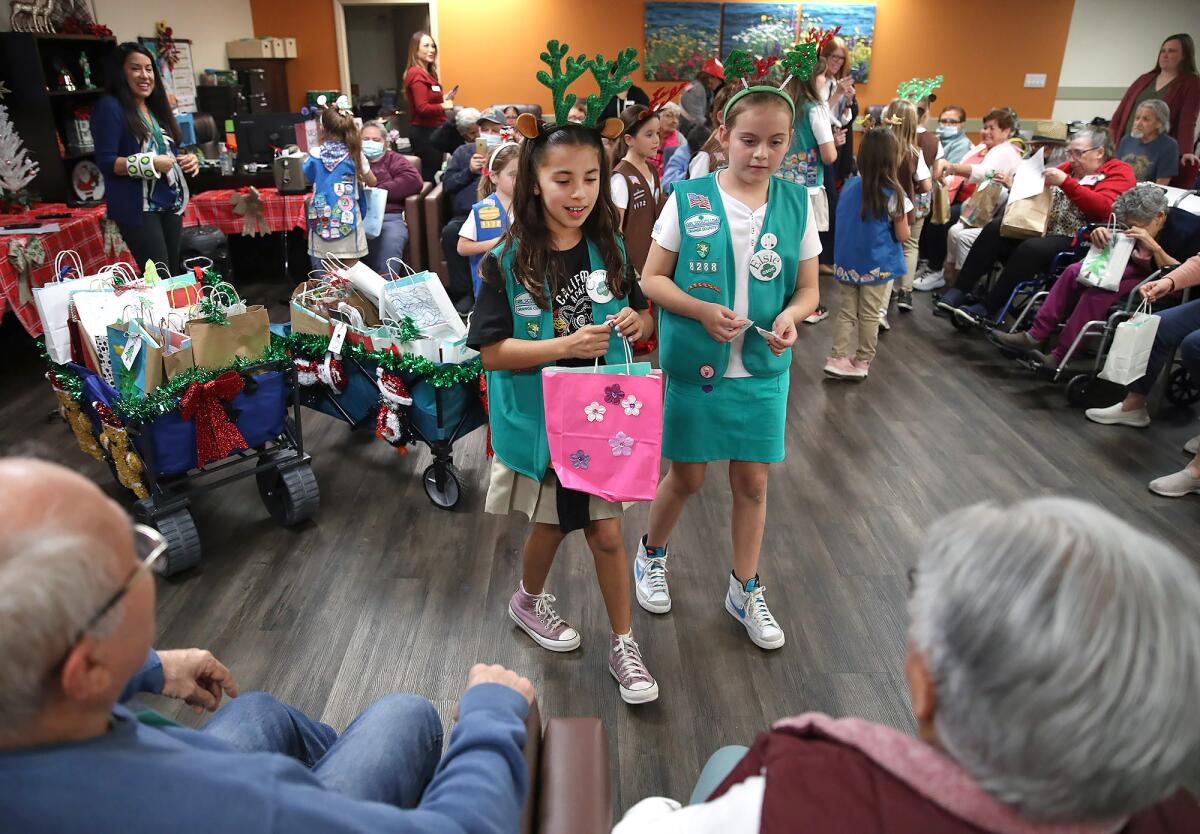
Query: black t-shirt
492	319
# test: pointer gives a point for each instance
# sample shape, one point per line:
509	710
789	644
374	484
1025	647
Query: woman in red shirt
427	105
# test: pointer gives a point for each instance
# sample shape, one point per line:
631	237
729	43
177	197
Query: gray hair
1140	204
1161	112
1065	647
671	107
378	125
1098	137
51	583
465	118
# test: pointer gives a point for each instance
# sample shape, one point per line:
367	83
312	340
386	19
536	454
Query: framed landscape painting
858	30
680	37
762	29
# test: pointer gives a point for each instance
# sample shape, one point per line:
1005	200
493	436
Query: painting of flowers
680	37
762	29
858	30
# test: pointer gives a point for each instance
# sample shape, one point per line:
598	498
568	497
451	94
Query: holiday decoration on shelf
67	391
30	16
165	44
248	205
115	439
916	89
203	404
85	71
4	90
16	169
79	132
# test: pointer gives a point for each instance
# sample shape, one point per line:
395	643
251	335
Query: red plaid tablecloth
83	232
282	212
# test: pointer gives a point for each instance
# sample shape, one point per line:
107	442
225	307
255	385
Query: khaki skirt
509	491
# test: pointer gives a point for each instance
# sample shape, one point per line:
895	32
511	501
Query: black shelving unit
40	112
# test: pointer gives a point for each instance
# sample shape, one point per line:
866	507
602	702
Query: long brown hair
877	166
836	43
339	127
901	116
712	145
157	104
413	61
805	89
529	236
1188	64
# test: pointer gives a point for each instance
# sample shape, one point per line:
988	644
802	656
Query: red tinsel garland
216	437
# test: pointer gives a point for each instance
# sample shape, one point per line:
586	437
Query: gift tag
597	287
339	337
766	334
133	346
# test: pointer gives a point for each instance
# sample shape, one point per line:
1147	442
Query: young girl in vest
812	149
488	219
335	168
635	182
912	170
872	224
558	290
733	269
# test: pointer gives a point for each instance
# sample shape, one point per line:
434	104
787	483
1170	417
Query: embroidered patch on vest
702	225
533	329
702	249
703	266
704	285
526	307
489	213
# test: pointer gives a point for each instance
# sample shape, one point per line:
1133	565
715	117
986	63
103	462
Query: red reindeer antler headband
658	100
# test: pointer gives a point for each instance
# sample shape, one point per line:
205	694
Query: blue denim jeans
390	243
387	754
1177	327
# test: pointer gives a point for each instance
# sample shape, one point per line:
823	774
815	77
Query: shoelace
756	604
545	612
656	573
629	662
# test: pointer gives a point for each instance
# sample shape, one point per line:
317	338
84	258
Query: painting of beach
858	30
680	37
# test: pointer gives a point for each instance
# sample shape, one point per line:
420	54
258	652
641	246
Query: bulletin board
180	83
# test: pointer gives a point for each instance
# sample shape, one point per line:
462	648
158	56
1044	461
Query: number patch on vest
702	266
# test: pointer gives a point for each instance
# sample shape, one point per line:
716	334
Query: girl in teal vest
872	225
733	269
558	290
488	220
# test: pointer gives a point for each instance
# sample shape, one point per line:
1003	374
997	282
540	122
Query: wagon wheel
290	495
450	491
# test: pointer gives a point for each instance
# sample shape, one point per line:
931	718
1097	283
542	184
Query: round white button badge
768	241
597	287
766	265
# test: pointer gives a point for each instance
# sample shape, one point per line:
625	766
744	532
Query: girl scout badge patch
702	225
597	287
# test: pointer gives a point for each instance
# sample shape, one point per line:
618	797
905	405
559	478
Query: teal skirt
738	419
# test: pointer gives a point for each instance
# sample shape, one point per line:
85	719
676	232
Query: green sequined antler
916	89
799	61
739	65
558	81
612	77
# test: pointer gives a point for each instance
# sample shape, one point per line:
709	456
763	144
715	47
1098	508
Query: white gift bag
364	279
96	309
53	302
374	206
1104	268
1129	353
422	298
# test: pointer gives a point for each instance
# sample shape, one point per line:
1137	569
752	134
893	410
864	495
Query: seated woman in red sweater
1084	188
400	179
427	102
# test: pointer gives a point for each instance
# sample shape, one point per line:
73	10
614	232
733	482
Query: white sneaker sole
833	373
551	645
635	696
756	640
648	604
1133	423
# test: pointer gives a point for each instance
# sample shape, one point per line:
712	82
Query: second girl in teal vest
558	290
733	268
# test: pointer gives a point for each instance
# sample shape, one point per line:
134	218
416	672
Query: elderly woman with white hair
1150	152
1143	211
1054	669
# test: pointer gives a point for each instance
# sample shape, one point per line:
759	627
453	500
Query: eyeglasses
950	121
1076	153
150	545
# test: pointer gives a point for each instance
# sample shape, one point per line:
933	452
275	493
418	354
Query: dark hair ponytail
118	88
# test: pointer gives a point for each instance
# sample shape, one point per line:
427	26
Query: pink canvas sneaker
863	367
842	368
625	664
537	618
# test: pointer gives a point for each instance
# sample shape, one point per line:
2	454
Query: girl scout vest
802	164
865	251
640	214
704	270
515	407
333	209
491	221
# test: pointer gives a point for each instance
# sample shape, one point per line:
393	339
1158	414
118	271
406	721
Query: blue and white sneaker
650	579
748	606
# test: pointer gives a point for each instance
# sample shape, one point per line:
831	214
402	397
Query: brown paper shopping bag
939	205
177	362
1027	218
245	335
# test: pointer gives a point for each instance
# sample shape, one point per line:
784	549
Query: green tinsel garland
439	376
68	380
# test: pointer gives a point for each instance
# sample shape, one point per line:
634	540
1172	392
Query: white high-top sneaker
748	606
650	580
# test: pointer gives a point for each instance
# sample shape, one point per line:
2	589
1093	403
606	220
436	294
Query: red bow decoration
763	65
216	437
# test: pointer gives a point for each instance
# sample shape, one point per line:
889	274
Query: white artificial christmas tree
17	170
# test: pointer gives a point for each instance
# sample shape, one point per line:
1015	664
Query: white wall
1112	42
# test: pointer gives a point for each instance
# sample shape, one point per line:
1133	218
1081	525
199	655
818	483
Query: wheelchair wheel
960	324
1077	390
178	528
290	495
1181	388
451	490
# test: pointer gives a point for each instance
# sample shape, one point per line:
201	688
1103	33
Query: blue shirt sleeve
147	679
677	165
108	126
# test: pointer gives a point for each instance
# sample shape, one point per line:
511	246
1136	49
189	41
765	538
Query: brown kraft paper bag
177	362
216	345
939	207
1027	218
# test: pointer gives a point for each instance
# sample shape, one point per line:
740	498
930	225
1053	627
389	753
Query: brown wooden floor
385	592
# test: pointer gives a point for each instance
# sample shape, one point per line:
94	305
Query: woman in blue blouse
137	149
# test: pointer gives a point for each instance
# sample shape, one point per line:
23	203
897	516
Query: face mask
372	149
947	132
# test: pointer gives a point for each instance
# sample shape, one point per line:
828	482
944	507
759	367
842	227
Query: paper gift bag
422	298
178	361
95	310
1129	353
1027	217
981	207
245	335
604	428
939	205
364	279
1104	267
137	358
374	205
183	291
53	301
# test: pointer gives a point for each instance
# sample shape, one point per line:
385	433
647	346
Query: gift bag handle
197	260
628	358
62	258
408	269
220	292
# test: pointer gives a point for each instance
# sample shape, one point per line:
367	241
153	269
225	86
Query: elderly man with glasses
76	627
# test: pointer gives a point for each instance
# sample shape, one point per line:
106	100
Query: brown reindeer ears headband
612	77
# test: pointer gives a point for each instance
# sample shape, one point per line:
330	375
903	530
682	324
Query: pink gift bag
604	426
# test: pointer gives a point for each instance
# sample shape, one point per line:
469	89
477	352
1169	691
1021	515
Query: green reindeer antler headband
744	67
916	89
612	77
